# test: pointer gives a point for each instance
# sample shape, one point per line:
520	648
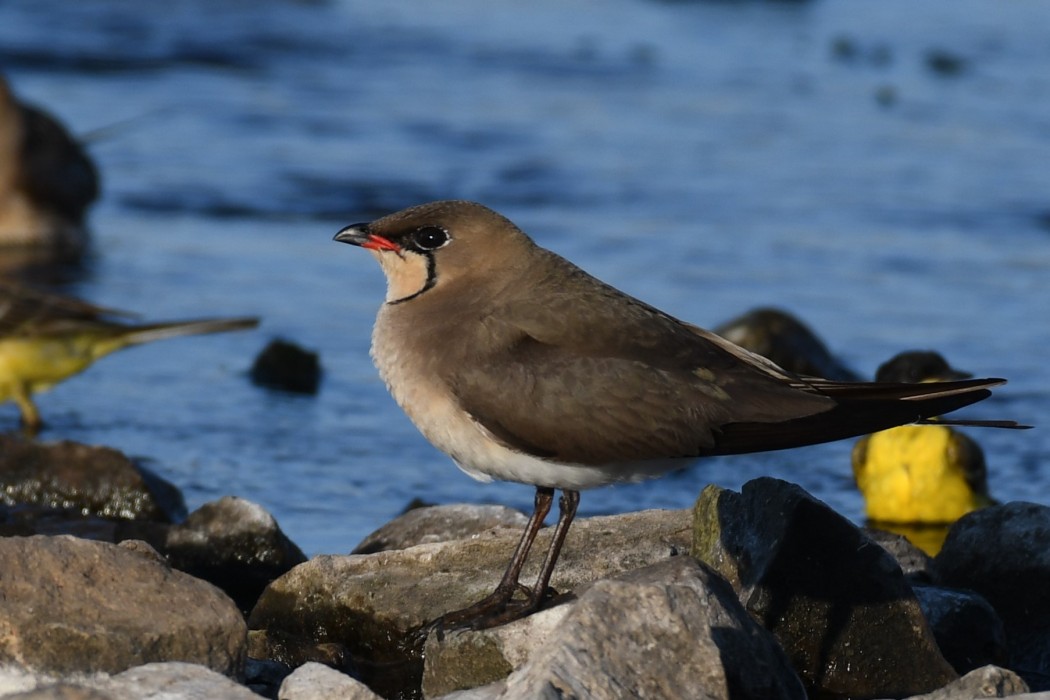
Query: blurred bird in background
918	479
45	339
47	182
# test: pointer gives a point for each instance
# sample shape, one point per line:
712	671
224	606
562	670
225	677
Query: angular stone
835	600
313	681
671	630
440	524
235	544
374	605
75	605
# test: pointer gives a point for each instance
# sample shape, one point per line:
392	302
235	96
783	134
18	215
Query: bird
920	474
47	180
46	338
522	367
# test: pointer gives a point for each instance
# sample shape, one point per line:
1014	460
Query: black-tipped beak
354	234
358	234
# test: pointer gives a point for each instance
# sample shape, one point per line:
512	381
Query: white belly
433	410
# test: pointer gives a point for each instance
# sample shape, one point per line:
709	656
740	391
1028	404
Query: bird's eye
430	238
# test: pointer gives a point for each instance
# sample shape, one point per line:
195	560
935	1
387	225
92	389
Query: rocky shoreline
110	590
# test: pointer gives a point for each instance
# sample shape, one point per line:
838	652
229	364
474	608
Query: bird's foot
494	610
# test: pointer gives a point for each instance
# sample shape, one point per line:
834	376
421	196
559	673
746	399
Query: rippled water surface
706	157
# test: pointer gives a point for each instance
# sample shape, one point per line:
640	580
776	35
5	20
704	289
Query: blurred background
880	169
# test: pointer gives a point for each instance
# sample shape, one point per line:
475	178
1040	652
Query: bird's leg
498	600
500	608
31	422
567	505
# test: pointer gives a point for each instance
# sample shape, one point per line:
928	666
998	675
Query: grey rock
75	605
313	681
834	599
984	682
1001	552
671	630
61	691
175	680
235	544
159	681
440	524
371	607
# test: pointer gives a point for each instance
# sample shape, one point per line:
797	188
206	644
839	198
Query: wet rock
671	630
286	366
440	524
314	681
75	605
1001	552
834	599
984	682
236	545
782	338
968	631
87	480
371	606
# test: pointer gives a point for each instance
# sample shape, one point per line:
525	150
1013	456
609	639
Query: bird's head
437	245
917	366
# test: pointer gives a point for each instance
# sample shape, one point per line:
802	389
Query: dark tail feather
862	408
966	423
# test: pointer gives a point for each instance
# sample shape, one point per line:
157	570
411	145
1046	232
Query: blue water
707	157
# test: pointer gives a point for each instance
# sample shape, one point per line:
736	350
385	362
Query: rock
1001	552
177	681
73	605
286	366
984	682
314	681
945	63
88	480
782	338
671	630
916	564
61	691
835	600
370	607
467	659
235	544
968	631
440	524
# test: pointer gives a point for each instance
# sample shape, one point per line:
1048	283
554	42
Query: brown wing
26	311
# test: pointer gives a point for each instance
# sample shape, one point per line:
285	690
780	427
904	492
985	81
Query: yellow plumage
920	474
45	339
